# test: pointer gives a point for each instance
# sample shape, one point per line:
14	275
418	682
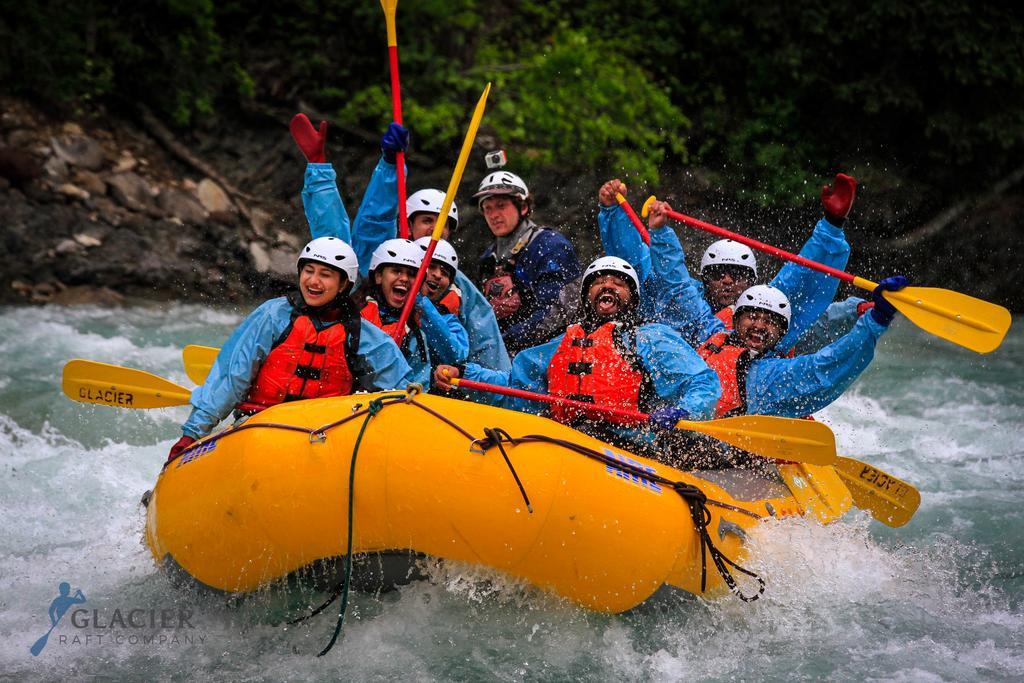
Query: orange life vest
730	361
725	315
311	360
451	302
592	368
371	313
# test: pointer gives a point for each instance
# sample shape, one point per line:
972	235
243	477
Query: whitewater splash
940	598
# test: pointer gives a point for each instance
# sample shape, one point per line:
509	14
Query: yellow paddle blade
782	438
87	381
972	323
890	500
818	490
389	7
198	360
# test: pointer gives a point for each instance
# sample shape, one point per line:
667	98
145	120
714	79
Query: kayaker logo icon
58	608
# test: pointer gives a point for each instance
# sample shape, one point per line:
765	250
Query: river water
939	599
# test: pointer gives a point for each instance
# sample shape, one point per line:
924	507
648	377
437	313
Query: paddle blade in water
87	381
198	360
781	438
890	500
818	490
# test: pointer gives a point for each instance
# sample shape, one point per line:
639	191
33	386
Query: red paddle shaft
760	246
545	398
396	114
637	223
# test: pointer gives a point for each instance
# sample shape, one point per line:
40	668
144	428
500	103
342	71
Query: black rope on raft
317	434
495	436
695	499
374	407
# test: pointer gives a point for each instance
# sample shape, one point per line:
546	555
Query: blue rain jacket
680	377
376	221
665	277
837	320
795	387
681	303
240	359
542	268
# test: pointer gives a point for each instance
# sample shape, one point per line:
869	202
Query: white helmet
443	252
501	182
766	298
331	252
430	201
728	253
396	252
610	264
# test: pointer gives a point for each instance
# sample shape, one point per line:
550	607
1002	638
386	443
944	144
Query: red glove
864	306
180	445
309	140
838	199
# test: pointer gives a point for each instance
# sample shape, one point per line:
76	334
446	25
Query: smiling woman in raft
309	344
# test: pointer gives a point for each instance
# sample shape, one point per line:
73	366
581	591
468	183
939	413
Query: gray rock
260	221
73	191
56	168
130	191
23	137
74	296
289	240
260	257
87	240
90	182
282	263
212	197
69	247
125	163
182	205
79	150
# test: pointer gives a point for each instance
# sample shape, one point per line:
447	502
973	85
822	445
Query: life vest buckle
580	368
307	372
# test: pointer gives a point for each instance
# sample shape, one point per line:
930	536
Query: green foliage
769	96
578	103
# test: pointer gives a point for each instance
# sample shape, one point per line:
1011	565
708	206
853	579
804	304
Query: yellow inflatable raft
441	477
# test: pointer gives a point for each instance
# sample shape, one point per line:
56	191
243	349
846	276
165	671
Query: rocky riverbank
92	213
95	209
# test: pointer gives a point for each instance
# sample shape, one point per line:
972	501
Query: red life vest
309	361
726	315
371	313
592	368
451	302
730	361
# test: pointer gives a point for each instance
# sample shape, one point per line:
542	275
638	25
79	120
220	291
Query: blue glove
884	312
666	418
395	140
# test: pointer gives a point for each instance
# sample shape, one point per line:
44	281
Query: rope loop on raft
495	435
